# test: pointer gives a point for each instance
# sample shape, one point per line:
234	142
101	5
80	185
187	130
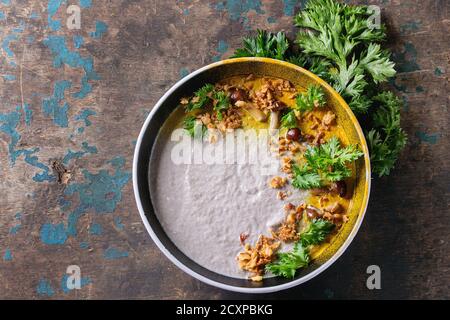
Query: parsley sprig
289	120
193	126
222	103
264	44
314	97
386	139
204	96
325	163
201	98
288	263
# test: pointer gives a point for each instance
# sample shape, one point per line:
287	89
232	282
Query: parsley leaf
222	103
331	160
325	163
201	98
316	65
305	178
193	126
289	120
288	263
313	97
264	44
316	232
386	139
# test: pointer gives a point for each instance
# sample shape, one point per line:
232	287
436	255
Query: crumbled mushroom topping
277	182
253	259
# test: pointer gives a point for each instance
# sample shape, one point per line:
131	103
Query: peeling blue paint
95	229
8	255
112	253
83	282
272	20
118	223
100	192
236	9
6	2
34	15
62	55
5	44
184	72
289	7
64	203
100	29
8	124
85	3
33	160
44	288
53	234
84	245
222	48
410	26
20	28
9	77
14	229
70	155
427	138
2	15
406	61
51	106
438	71
52	9
78	41
28	113
84	115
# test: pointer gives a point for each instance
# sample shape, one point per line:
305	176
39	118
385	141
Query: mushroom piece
274	120
257	114
313	212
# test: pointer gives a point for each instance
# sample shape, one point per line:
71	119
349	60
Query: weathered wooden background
73	101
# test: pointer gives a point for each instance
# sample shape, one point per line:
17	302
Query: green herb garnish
305	178
222	104
201	98
313	97
325	163
289	120
193	126
317	231
288	263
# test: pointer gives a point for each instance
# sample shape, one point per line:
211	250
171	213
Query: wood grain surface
73	101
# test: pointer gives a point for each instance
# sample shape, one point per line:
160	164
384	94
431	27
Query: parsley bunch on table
337	42
288	263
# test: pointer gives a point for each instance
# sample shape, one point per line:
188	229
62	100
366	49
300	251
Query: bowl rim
289	284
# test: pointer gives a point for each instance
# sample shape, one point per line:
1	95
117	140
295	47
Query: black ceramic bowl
211	74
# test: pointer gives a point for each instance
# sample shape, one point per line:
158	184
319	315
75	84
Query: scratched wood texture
72	104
